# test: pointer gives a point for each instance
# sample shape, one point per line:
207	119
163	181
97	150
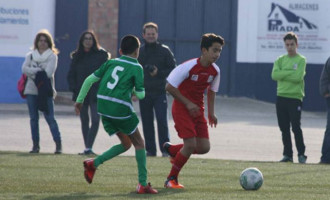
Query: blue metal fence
181	24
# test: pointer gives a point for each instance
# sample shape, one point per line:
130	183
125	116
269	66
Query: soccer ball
251	179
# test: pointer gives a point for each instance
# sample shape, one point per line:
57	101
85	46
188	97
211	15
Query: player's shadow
161	192
86	196
74	196
131	195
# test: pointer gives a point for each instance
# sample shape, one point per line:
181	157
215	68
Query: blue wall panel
131	17
157	12
186	51
313	100
11	71
189	19
71	20
254	81
181	24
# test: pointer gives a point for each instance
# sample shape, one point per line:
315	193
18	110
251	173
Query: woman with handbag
43	57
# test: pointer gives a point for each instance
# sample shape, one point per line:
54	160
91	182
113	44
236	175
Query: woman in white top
43	57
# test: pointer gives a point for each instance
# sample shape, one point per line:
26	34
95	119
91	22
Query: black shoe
151	154
166	147
286	159
58	149
302	159
164	154
88	152
35	149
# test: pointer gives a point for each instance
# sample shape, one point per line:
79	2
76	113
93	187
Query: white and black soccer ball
251	179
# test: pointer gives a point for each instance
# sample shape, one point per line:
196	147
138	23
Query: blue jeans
325	158
34	118
147	107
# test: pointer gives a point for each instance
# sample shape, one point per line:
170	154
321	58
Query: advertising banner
263	23
20	20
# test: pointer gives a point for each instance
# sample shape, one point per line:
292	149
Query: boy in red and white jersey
187	83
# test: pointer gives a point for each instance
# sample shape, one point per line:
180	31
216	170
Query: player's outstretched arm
193	109
213	120
138	94
89	81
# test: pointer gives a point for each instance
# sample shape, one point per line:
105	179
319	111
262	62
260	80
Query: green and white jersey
118	79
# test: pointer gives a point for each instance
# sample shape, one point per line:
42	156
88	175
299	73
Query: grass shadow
130	195
74	196
35	154
25	154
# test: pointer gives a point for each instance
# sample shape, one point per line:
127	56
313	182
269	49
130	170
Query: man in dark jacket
157	61
325	92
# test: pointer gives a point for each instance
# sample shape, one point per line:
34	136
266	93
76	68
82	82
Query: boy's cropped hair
129	44
209	38
291	36
150	25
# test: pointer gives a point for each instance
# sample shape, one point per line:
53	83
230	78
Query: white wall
256	43
20	20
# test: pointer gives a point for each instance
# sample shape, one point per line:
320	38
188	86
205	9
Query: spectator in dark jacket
325	92
45	90
157	61
88	57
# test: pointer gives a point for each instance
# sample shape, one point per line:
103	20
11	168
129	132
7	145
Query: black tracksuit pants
289	113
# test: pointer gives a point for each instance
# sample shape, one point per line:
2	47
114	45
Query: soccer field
54	177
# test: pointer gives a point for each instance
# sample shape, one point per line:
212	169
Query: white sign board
20	20
263	23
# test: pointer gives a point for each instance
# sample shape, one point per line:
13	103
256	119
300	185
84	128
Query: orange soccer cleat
173	183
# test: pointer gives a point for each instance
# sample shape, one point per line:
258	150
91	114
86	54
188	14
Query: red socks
179	162
174	149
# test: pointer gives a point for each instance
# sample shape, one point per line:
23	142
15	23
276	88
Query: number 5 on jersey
114	75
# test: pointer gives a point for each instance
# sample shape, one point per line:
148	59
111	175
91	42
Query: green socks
140	156
141	159
112	152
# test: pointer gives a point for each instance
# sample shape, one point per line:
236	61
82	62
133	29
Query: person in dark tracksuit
289	71
325	92
85	60
157	61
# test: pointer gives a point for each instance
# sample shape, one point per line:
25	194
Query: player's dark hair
209	38
129	43
291	36
150	25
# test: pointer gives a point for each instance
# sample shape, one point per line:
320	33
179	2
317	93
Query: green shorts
126	126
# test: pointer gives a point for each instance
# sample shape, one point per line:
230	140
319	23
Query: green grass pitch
56	177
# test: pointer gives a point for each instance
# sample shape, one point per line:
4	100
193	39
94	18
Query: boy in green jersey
119	79
289	71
